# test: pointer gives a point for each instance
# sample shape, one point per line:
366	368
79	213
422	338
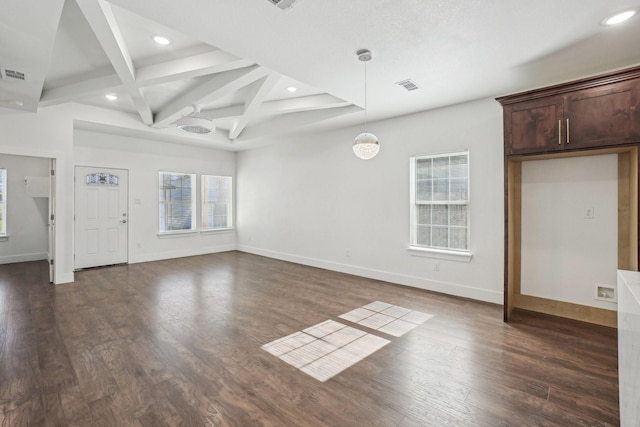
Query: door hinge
52	217
53	172
51	262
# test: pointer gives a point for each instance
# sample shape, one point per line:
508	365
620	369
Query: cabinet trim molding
572	86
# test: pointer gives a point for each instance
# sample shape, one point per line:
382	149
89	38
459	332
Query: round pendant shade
366	146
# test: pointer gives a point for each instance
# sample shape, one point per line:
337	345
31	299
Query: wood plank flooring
177	343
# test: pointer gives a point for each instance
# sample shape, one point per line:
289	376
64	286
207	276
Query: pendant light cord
365	96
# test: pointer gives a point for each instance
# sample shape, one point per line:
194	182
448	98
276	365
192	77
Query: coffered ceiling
236	59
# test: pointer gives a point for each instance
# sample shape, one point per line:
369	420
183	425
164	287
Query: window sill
4	237
170	234
461	256
217	231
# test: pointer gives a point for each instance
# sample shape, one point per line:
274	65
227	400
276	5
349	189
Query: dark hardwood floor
177	343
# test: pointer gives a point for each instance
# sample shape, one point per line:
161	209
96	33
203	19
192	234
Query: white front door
101	216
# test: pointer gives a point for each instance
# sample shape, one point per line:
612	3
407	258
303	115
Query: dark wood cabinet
534	126
595	115
591	113
603	116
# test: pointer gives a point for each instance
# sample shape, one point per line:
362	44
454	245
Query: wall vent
408	84
8	74
283	4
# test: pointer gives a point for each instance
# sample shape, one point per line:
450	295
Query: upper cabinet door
534	126
604	115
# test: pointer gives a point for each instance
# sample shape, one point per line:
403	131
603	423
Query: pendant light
366	145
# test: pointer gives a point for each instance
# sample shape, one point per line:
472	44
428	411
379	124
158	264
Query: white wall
144	159
310	200
26	215
565	254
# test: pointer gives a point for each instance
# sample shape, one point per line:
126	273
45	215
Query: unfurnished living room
319	213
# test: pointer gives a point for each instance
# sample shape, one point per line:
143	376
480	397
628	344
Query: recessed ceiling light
161	40
618	17
111	96
292	89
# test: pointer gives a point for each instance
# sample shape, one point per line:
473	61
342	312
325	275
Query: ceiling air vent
408	84
8	74
283	4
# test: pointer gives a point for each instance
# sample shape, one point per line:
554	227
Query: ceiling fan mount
195	123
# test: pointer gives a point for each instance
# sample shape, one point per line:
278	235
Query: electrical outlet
436	266
589	213
139	245
347	253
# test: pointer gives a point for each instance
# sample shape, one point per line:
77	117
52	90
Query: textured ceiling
237	58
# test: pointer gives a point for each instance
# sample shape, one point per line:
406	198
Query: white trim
177	233
157	256
3	204
64	278
413	202
443	154
23	258
463	256
206	231
454	289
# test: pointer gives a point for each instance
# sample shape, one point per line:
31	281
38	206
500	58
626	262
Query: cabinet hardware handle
559	132
568	140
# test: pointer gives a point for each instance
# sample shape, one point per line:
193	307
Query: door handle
559	132
124	221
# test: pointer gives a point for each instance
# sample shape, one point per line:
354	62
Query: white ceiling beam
294	121
231	112
218	86
100	17
303	103
103	23
142	106
282	106
255	98
192	66
80	90
195	66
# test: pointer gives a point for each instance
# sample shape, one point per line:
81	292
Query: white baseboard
157	256
401	279
22	258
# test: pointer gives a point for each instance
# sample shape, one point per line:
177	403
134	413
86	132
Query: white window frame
454	254
206	202
191	203
3	202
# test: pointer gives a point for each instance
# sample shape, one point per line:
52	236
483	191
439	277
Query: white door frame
51	253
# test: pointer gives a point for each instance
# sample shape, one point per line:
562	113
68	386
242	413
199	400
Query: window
440	202
177	202
217	202
3	201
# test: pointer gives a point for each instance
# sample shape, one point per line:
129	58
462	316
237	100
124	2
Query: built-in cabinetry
629	346
597	115
603	114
